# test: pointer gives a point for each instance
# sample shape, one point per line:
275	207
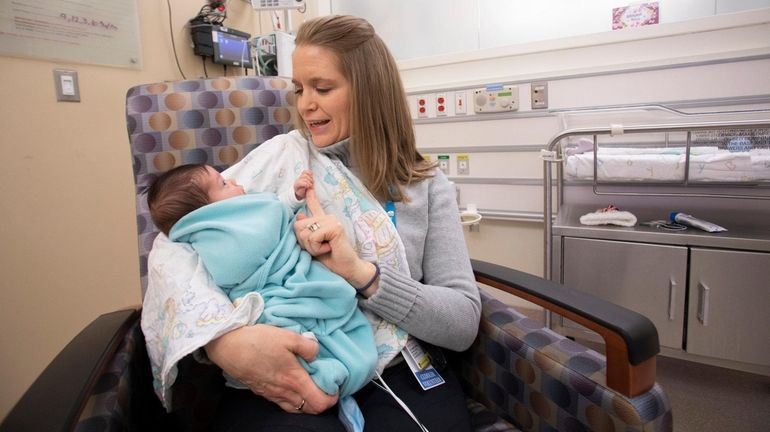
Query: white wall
426	28
716	63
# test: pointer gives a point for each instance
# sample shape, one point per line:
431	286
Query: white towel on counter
612	217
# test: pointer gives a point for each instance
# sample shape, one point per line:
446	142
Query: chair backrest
214	121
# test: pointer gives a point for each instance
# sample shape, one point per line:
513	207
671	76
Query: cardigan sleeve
440	302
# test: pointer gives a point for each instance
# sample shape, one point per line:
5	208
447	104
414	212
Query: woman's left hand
323	236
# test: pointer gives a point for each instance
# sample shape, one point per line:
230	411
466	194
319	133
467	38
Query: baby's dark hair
176	193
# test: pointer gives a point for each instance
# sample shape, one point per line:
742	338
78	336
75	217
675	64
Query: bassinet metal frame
553	155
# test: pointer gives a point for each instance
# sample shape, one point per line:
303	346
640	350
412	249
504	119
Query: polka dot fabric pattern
214	121
539	380
109	402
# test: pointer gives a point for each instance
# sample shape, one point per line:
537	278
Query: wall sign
103	32
635	15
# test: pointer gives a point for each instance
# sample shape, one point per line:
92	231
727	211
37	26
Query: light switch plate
66	85
460	103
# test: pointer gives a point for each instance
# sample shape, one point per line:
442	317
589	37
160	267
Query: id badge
419	363
419	356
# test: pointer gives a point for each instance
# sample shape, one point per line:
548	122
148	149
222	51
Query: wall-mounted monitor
231	47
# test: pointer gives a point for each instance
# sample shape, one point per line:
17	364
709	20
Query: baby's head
185	188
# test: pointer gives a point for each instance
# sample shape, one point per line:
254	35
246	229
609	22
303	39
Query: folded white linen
695	150
609	217
760	163
725	166
620	167
708	164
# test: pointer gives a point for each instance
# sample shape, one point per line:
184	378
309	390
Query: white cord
387	389
244	52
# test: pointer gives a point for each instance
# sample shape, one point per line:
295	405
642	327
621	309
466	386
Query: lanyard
390	209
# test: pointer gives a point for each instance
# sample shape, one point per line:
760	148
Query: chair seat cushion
484	420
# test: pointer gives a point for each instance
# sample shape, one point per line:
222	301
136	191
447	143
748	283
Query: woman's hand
263	358
323	236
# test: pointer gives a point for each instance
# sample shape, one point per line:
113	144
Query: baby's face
218	188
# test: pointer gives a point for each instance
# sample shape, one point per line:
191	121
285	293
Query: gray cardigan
440	303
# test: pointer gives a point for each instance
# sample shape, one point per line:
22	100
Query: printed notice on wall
103	32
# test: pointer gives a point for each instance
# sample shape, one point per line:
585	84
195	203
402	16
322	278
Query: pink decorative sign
635	15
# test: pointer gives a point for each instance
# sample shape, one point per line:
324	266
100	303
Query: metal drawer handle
671	299
703	306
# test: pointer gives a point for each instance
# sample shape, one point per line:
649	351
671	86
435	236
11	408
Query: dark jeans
441	409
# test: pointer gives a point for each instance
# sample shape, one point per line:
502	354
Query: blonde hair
382	141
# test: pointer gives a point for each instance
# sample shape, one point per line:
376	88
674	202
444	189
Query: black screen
231	49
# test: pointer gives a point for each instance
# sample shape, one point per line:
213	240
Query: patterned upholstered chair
215	121
518	374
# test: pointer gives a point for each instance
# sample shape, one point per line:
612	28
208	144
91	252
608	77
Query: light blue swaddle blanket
248	245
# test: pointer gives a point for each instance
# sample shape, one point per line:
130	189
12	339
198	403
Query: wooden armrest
55	400
631	339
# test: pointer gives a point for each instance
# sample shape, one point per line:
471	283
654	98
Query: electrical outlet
539	95
422	106
443	163
441	104
463	164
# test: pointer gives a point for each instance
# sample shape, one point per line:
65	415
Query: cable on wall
173	44
213	12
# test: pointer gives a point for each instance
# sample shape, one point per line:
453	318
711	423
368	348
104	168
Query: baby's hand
302	184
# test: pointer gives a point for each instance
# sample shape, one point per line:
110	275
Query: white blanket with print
183	309
707	163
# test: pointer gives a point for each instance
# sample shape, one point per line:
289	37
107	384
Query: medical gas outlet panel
496	99
487	100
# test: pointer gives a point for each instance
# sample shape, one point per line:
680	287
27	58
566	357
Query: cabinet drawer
729	308
646	278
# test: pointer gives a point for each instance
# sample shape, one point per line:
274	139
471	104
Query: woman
353	109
